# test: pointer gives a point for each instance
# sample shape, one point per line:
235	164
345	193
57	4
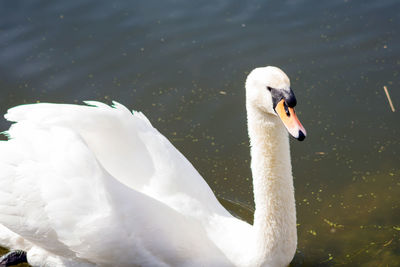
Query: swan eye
269	88
286	109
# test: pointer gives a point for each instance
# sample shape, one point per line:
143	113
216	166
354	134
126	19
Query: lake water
184	64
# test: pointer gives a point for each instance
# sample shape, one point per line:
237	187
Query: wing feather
129	148
79	180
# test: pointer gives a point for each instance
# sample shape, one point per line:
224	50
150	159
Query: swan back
126	145
61	189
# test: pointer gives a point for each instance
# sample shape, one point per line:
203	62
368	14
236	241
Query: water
184	63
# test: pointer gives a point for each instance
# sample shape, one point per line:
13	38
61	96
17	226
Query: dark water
184	63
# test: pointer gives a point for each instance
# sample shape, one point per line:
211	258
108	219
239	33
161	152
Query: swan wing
55	193
132	151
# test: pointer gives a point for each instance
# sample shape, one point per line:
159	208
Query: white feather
99	186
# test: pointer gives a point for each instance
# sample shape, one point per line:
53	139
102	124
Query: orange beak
290	120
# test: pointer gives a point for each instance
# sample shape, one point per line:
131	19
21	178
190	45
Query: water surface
184	63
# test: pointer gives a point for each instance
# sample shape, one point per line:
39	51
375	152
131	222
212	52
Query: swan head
268	90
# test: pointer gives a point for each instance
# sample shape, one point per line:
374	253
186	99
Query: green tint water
184	63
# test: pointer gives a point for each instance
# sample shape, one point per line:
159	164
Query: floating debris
332	224
388	243
313	232
388	97
329	259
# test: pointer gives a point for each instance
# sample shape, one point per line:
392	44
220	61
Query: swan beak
290	120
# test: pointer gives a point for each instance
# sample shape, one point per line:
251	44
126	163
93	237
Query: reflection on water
183	63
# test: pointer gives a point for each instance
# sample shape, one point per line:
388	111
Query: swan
97	185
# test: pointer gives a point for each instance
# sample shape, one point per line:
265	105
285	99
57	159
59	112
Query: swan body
97	185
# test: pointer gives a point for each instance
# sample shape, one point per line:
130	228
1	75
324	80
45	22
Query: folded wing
61	187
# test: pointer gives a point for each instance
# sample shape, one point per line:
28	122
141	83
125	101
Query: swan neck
275	213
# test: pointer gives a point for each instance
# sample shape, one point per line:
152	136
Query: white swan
98	186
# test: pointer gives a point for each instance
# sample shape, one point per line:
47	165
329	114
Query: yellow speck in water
312	232
332	224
